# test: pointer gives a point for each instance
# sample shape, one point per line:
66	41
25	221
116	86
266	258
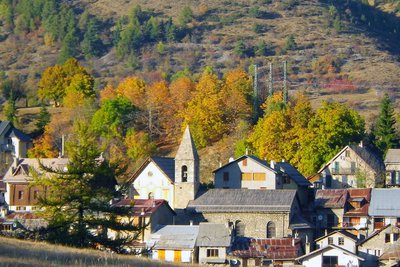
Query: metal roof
259	161
213	235
293	173
392	156
385	202
179	237
329	247
330	198
244	200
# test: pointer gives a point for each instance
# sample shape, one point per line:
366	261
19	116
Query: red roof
142	207
22	215
269	248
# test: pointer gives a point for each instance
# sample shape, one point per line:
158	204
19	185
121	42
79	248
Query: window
35	194
341	241
387	238
184	173
226	176
247	176
259	176
395	237
347	153
286	179
20	194
329	261
353	167
328	180
21	208
211	252
240	227
377	252
271	230
336	166
330	240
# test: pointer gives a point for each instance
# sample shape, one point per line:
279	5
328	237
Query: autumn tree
133	89
77	202
52	84
205	113
107	93
385	132
43	147
139	145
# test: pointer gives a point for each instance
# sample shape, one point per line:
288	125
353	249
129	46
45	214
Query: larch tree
385	132
76	202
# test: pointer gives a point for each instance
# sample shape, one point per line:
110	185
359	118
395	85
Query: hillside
16	252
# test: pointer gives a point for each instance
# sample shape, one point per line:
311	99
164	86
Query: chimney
190	222
231	159
293	242
220	164
361	144
272	164
247	151
283	160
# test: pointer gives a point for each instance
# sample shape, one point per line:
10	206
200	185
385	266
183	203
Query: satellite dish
320	217
234	261
14	225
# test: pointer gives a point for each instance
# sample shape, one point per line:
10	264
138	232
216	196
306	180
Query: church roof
187	148
166	165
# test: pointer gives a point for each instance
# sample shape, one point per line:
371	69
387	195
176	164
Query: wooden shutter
259	176
161	254
177	256
247	176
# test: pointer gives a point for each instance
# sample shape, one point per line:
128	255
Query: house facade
20	196
341	239
384	208
250	172
173	179
392	167
353	167
213	242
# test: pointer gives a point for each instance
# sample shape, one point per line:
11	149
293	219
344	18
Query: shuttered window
247	176
259	176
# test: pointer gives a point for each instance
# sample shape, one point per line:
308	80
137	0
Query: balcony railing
343	171
353	225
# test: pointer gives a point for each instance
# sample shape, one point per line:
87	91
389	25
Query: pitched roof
330	198
269	248
392	253
329	247
298	222
179	237
20	172
358	195
383	204
13	132
213	235
244	200
372	160
372	235
392	156
187	148
297	177
259	161
144	207
166	165
340	232
3	126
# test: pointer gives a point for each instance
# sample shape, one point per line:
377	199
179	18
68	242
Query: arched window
240	227
184	173
151	195
271	230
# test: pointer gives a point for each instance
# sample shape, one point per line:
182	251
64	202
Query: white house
330	256
342	239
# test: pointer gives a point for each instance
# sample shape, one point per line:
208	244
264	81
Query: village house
346	209
174	243
392	166
354	166
20	196
266	251
173	179
148	214
250	172
213	242
340	238
384	208
254	213
380	241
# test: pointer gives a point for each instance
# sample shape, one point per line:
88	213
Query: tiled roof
143	206
268	248
243	200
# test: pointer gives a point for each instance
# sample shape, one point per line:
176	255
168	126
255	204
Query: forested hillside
184	57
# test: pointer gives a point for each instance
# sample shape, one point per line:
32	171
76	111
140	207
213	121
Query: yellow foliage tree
43	147
134	89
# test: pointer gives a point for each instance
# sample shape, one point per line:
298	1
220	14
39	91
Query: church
173	179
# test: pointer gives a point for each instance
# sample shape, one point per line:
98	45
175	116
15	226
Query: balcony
352	225
344	171
7	147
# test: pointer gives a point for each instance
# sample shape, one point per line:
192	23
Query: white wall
157	183
343	259
349	244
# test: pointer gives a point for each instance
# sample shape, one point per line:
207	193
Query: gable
345	235
246	164
151	174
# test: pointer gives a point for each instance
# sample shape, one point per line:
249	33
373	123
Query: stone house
173	179
384	208
380	241
254	213
148	213
174	243
342	209
19	195
250	172
354	166
213	242
392	167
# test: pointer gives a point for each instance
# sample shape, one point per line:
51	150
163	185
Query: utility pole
271	86
255	92
285	89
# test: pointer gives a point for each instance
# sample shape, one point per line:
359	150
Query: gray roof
373	160
213	235
178	237
392	156
298	222
297	177
187	148
167	165
8	130
244	200
259	161
3	126
329	247
385	202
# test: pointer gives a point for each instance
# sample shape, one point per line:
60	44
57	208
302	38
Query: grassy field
15	252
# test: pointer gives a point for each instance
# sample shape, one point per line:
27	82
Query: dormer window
184	173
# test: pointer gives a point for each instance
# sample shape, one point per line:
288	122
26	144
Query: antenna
255	89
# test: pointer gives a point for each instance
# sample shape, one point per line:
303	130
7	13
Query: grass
14	252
